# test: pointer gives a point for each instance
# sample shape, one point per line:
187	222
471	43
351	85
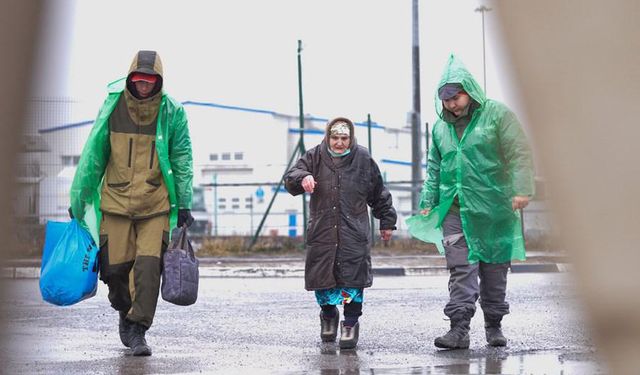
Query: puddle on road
516	364
495	363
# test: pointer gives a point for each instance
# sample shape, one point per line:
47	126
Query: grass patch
294	246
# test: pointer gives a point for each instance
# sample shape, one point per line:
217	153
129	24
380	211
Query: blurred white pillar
19	24
577	64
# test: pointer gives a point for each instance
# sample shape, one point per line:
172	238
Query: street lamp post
482	9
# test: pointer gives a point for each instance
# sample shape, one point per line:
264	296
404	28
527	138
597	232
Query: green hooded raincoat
488	166
173	147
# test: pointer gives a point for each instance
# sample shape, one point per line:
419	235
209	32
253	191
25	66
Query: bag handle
183	236
178	242
184	242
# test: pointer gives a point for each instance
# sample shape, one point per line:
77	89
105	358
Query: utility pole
373	237
482	9
416	169
215	205
251	201
301	144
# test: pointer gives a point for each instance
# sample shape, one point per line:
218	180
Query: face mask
335	154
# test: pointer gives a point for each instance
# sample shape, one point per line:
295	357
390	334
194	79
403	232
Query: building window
248	207
235	199
213	157
235	206
226	156
222	207
248	199
238	156
222	200
70	160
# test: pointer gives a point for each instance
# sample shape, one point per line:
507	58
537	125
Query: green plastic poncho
173	146
488	166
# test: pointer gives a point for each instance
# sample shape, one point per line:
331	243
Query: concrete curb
32	272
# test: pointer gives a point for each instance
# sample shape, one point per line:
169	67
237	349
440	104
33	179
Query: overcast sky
356	58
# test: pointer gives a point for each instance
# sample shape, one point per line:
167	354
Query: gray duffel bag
180	271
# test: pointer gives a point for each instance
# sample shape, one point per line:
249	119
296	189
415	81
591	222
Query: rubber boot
349	335
456	338
493	332
137	341
124	328
329	327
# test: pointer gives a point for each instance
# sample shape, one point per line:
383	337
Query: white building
244	151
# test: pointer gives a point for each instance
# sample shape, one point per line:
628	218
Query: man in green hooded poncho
479	173
133	183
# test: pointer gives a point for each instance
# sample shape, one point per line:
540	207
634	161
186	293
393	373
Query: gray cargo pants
464	288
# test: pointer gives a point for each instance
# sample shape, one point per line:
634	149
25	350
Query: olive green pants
131	263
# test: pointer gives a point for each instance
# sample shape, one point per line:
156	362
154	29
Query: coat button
334	207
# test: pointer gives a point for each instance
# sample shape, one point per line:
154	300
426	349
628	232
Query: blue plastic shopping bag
70	275
53	231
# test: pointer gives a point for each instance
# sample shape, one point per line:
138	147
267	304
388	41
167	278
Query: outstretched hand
385	234
309	184
519	202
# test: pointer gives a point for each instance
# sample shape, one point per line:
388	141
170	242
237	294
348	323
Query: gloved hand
71	214
184	217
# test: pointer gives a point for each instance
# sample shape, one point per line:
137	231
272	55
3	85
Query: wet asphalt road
270	325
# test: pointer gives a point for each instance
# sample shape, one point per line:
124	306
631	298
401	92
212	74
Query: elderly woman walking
343	180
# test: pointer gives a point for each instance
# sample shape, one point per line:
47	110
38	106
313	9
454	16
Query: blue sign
292	225
259	193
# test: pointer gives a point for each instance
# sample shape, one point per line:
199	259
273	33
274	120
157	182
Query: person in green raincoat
479	174
133	183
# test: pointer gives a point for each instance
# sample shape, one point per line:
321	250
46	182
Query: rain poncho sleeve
86	185
181	159
517	155
430	190
87	182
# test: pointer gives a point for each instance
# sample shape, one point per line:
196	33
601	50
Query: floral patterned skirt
339	296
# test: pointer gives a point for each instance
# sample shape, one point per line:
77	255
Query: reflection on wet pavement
334	361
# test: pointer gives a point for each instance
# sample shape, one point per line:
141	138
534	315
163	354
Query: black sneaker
349	335
329	327
124	328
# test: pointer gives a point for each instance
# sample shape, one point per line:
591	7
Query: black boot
493	332
329	327
124	328
137	341
456	338
349	336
